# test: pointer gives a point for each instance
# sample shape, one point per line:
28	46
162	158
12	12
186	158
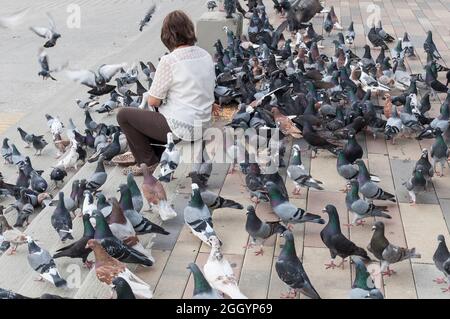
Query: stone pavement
412	226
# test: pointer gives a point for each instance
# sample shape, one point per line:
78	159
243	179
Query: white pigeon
169	160
70	160
89	205
56	126
219	274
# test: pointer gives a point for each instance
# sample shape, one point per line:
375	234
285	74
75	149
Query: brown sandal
125	159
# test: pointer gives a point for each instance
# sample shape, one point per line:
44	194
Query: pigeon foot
440	281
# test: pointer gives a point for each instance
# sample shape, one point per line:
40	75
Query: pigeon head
363	280
287	235
330	209
441	239
250	210
215	242
92	244
437	131
378	226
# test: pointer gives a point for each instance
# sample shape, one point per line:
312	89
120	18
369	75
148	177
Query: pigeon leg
290	227
88	264
342	263
389	272
297	190
290	295
12	251
446	289
440	280
39	279
331	265
259	252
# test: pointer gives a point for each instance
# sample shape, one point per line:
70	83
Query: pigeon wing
107	71
85	77
43	32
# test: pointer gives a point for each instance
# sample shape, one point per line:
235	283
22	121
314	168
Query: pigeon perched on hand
336	242
441	259
386	252
290	270
42	262
219	273
48	33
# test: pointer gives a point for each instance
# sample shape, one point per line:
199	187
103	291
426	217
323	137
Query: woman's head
177	30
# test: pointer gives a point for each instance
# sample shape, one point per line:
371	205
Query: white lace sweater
185	81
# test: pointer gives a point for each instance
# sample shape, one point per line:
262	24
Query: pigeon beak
373	228
324	210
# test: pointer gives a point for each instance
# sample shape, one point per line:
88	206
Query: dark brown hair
178	29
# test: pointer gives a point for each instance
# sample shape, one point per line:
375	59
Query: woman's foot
125	159
136	170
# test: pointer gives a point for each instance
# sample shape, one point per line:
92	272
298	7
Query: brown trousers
142	128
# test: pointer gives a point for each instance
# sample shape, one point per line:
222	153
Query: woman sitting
182	93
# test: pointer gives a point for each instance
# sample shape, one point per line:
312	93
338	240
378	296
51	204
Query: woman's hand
153	101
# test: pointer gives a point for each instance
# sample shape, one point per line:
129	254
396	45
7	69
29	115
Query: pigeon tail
379	213
228	203
312	218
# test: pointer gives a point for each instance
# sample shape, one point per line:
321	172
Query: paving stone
424	275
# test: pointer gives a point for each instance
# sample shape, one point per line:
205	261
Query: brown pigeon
285	124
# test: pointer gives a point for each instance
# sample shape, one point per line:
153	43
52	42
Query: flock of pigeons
279	83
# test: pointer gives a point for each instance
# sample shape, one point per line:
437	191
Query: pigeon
61	220
299	175
27	138
156	196
424	164
290	270
202	167
386	252
88	204
254	181
315	141
259	231
359	207
86	103
48	33
430	47
108	268
169	160
202	288
98	178
368	188
38	184
148	16
417	183
110	105
336	242
108	152
13	20
23	215
334	19
70	160
102	205
78	249
122	228
58	175
286	211
42	262
393	125
350	34
12	235
439	152
383	34
198	217
16	156
122	289
441	258
39	143
328	24
114	246
363	286
352	150
141	224
149	71
218	271
376	39
285	124
97	81
11	295
6	151
407	46
45	71
136	195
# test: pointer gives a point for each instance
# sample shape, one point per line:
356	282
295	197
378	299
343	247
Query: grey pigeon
23	215
45	71
360	208
202	288
61	220
439	152
430	47
350	34
48	33
286	211
393	125
98	178
368	188
41	261
386	252
26	137
417	183
336	242
6	151
102	205
363	286
16	156
259	231
424	164
198	217
148	16
290	270
441	259
86	103
39	143
169	160
37	182
136	195
299	175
